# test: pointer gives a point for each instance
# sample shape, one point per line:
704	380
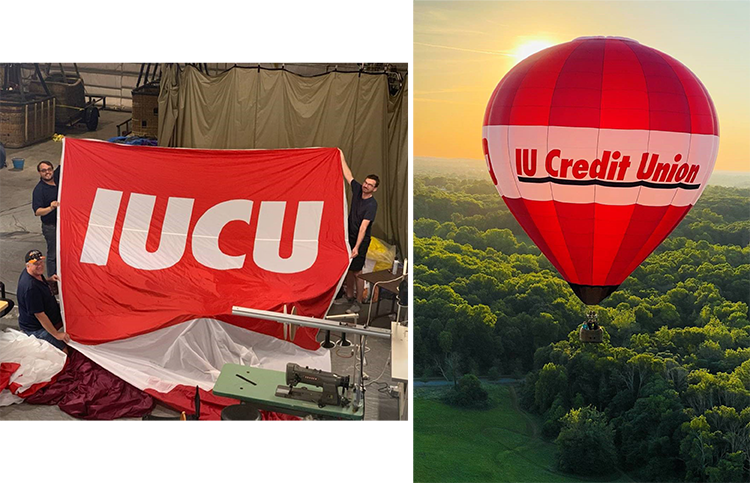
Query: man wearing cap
44	203
38	311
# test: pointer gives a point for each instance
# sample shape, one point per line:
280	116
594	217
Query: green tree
553	418
649	433
425	228
553	380
698	448
501	240
469	393
586	443
729	469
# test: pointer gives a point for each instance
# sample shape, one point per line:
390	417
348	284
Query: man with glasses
44	203
361	216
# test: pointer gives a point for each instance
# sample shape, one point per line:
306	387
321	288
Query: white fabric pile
38	362
192	354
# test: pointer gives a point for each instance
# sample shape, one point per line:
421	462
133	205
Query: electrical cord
386	389
358	359
381	374
363	349
338	351
362	339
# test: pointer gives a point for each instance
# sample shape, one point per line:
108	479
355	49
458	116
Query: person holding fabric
38	311
44	203
361	215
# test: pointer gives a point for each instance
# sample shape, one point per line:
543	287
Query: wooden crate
146	111
69	93
25	119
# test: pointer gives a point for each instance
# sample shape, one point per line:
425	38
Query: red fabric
14	387
603	83
87	391
6	370
115	301
593	243
33	389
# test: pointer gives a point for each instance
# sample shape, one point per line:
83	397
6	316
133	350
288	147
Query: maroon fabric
85	390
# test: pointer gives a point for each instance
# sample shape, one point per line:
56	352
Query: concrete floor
20	231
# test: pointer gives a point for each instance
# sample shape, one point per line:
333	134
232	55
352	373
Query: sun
531	47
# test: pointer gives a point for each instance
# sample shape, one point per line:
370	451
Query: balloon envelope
599	147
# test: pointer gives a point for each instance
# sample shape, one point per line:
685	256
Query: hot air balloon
599	147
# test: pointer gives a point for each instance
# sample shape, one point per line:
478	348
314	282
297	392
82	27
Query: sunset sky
462	49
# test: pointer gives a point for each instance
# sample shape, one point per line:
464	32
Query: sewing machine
328	381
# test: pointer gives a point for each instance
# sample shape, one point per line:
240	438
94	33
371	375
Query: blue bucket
18	163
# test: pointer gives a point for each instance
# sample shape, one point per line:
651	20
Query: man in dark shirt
44	203
38	311
361	215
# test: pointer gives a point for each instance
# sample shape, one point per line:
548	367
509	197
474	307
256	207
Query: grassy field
498	444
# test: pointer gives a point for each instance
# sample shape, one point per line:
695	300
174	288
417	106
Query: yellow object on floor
382	253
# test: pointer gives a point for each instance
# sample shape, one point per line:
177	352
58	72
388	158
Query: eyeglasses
371	185
45	170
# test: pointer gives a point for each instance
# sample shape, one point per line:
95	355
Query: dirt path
532	427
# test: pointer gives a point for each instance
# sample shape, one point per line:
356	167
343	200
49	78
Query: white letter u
268	237
173	233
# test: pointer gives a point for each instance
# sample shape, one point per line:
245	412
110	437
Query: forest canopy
672	378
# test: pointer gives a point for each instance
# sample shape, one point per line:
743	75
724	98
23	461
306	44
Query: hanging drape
247	108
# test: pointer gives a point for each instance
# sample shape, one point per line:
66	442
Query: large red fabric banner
151	237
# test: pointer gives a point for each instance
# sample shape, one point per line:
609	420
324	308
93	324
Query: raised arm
347	172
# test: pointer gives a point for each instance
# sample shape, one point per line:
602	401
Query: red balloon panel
603	83
595	244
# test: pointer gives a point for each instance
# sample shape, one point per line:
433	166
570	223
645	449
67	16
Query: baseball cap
34	256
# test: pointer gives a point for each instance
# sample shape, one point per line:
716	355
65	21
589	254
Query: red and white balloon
599	147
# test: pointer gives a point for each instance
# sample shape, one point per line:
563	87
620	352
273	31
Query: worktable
382	278
263	393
